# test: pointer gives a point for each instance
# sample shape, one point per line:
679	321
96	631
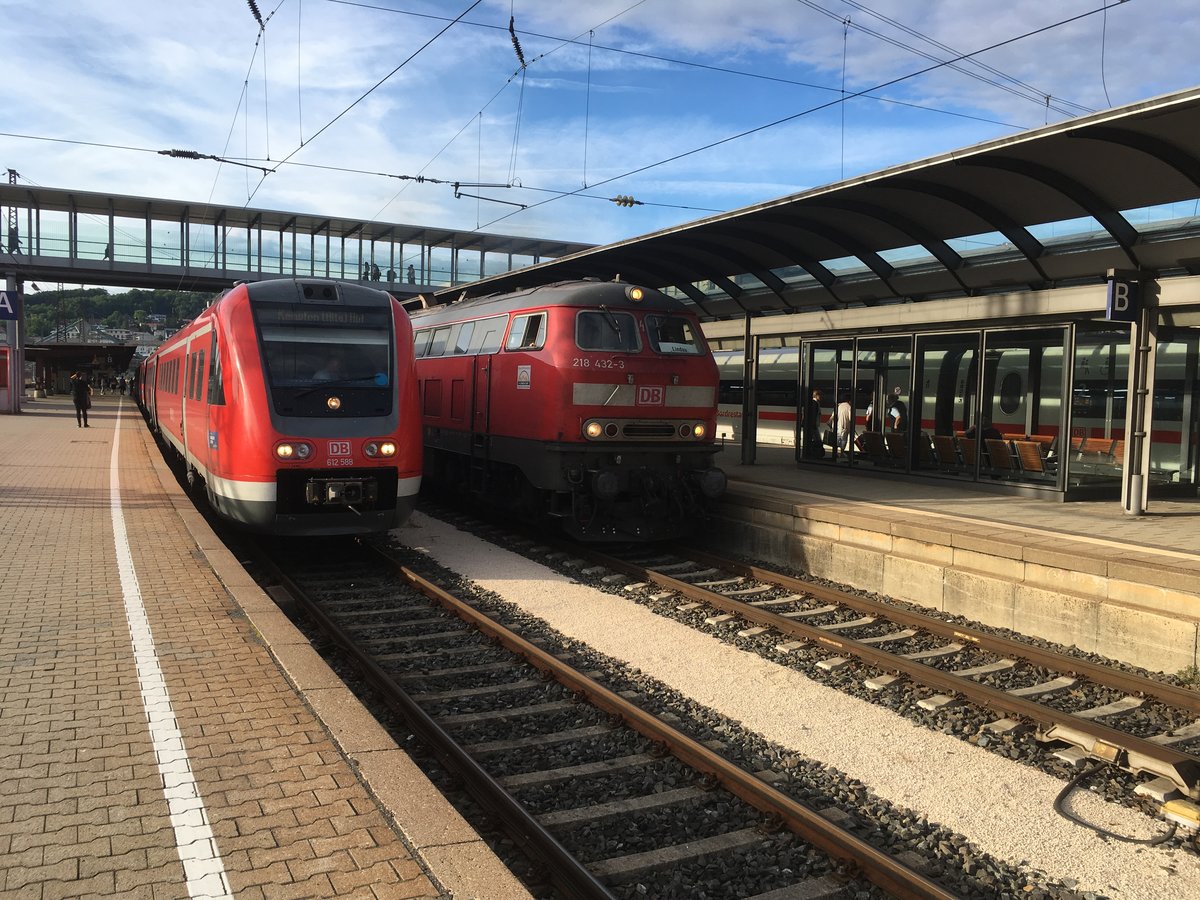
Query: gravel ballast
1003	807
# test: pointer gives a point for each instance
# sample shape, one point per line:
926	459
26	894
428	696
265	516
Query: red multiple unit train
294	402
590	402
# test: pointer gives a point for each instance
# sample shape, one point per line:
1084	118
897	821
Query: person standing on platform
813	448
412	275
897	413
81	393
843	422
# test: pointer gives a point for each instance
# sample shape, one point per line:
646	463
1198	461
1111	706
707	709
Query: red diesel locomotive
590	402
294	402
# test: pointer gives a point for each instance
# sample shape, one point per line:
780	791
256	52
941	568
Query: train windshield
307	348
673	335
606	330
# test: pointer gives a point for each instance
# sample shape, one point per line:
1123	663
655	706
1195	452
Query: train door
482	390
883	376
1098	411
1175	423
826	362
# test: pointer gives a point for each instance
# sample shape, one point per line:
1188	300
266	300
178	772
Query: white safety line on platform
194	840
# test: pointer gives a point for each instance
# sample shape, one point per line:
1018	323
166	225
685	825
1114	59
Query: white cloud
152	76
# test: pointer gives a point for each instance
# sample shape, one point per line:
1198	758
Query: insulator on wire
516	44
254	12
625	200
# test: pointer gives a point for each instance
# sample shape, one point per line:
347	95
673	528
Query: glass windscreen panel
606	331
673	335
311	353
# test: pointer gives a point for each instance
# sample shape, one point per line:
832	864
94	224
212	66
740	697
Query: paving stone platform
164	729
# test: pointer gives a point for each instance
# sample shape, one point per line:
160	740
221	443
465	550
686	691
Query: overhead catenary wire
373	88
814	109
1031	94
1036	92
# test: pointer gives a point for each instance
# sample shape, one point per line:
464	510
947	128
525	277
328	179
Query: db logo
650	395
339	448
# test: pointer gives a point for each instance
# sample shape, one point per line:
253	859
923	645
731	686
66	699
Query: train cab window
309	349
528	332
606	330
673	335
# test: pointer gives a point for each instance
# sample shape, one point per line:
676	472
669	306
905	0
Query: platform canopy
1050	207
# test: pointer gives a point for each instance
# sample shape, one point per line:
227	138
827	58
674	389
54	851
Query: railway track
608	798
1100	713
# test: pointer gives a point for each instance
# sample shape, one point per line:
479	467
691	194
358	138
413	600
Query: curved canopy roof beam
699	265
1079	193
1166	153
934	245
1016	234
683	267
740	261
880	267
788	251
670	272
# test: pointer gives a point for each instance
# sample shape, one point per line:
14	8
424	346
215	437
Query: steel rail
1098	740
1172	695
879	868
567	873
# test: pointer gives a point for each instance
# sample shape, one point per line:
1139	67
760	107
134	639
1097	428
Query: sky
691	107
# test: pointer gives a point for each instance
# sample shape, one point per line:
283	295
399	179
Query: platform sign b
1123	301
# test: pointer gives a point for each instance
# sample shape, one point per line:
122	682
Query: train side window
462	340
441	336
421	342
189	374
528	332
216	385
488	335
199	375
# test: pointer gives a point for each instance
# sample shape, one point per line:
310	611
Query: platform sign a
1123	301
10	302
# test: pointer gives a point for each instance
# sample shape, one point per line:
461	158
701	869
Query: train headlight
289	450
698	430
379	448
334	403
593	429
636	294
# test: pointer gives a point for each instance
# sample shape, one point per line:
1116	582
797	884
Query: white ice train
1020	394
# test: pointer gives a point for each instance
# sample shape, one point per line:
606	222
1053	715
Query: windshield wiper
612	320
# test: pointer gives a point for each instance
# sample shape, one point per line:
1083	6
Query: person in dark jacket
81	393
